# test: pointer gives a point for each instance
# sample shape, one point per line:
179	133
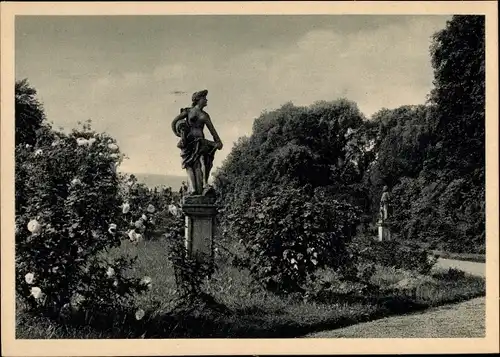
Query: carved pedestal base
200	212
384	232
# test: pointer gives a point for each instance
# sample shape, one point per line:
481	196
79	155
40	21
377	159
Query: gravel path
462	320
469	267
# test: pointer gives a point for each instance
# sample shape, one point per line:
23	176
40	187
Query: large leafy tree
327	143
436	160
457	162
29	113
458	59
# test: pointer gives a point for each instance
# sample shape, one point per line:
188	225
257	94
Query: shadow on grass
207	318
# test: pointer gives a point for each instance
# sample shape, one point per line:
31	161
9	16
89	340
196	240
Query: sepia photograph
248	176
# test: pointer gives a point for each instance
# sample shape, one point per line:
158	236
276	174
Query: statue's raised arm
197	153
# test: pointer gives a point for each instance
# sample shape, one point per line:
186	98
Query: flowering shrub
291	234
170	220
150	212
137	211
68	213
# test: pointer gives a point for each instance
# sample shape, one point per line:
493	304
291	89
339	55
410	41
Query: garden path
466	319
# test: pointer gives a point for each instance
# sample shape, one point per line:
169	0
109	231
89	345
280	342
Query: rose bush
69	212
152	206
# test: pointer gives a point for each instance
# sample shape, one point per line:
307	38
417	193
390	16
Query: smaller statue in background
385	202
384	232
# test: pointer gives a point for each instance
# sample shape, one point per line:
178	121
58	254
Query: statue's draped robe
193	148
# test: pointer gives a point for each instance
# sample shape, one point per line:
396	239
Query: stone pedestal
200	212
384	232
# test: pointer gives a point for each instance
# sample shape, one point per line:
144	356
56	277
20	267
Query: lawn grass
237	307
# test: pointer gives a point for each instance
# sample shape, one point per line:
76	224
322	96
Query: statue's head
385	189
200	98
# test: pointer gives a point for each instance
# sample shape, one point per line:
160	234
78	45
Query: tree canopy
325	144
29	113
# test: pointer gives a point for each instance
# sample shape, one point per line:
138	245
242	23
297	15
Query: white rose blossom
34	226
126	208
146	281
131	235
139	314
81	141
113	147
139	223
36	292
173	210
112	228
30	277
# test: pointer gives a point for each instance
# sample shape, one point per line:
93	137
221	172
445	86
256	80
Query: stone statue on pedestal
197	154
384	232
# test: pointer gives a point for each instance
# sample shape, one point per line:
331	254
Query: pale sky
132	74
